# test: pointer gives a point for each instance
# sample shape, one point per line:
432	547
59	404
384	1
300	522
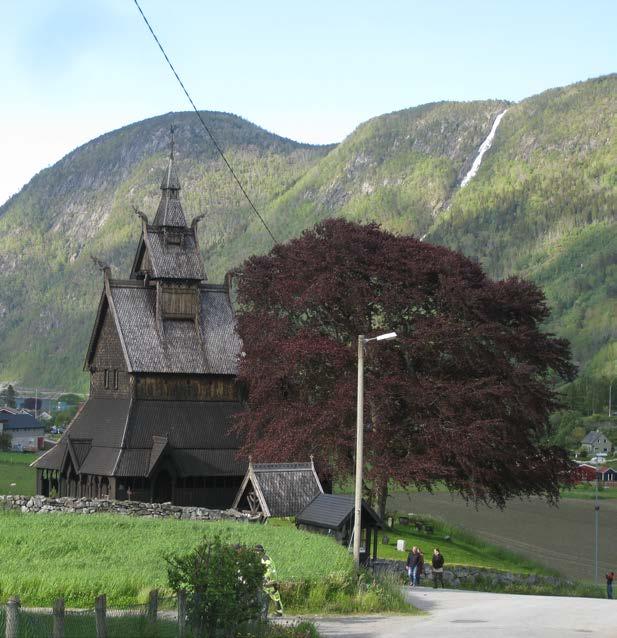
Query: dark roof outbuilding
332	511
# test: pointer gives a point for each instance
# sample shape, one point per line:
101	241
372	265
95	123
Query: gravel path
465	614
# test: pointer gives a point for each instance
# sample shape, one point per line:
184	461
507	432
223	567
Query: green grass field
462	548
79	557
588	491
14	468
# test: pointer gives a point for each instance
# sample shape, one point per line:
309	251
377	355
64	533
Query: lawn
14	468
588	491
79	557
458	548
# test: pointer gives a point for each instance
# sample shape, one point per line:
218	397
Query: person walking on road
419	570
609	584
437	562
412	560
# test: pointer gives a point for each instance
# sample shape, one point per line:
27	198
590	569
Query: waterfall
483	148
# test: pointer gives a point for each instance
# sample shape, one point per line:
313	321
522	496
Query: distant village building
607	474
162	360
596	443
278	489
585	473
27	434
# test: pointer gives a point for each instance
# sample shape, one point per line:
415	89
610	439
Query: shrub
5	441
223	583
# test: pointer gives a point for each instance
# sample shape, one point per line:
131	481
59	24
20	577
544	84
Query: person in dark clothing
412	561
419	570
437	562
609	584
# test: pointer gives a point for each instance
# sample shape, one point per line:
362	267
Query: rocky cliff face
542	204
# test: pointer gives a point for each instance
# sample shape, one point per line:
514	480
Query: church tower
162	361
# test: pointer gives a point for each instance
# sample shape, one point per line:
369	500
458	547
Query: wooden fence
14	614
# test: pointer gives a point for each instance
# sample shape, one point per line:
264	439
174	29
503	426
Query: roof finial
171	144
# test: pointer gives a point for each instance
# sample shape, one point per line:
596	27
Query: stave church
162	360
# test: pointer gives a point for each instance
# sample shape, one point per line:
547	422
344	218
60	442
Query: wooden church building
162	361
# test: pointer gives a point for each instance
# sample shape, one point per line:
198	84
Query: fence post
153	604
12	617
58	618
100	608
181	614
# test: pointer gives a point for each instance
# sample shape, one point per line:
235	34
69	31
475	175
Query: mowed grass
46	556
588	491
14	468
462	548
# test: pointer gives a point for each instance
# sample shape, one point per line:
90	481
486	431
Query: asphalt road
560	537
467	614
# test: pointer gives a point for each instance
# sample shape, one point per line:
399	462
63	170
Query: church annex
162	360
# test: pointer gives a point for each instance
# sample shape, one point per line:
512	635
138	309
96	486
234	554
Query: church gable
107	364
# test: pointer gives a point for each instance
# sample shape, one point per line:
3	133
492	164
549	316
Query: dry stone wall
69	505
458	576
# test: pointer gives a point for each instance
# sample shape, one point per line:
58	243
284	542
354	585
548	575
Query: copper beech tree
462	396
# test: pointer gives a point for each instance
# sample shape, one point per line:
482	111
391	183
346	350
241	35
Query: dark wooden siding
178	302
186	388
108	356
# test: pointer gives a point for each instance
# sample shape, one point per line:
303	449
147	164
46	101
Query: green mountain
542	205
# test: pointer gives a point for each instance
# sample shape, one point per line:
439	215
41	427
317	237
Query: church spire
169	212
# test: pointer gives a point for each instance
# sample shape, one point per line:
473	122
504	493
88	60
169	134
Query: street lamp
360	441
597	514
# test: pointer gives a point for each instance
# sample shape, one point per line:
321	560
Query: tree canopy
462	396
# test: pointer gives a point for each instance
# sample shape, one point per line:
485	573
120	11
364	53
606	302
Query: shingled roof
116	437
332	511
169	259
281	489
181	347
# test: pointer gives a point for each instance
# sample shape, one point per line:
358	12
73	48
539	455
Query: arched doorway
161	492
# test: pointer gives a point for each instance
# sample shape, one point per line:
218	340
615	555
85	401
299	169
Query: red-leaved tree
462	396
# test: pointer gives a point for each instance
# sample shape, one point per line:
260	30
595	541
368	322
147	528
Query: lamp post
597	514
357	529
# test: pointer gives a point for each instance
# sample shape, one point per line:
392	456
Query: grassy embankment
14	468
79	557
458	547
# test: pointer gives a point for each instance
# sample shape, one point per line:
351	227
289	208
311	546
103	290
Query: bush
223	583
5	441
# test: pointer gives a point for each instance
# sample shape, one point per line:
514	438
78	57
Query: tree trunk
381	497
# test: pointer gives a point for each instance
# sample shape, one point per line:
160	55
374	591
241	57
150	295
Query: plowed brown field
562	537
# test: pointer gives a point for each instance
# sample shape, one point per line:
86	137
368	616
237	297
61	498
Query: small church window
115	379
106	379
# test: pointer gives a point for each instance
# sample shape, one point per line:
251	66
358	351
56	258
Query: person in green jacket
271	586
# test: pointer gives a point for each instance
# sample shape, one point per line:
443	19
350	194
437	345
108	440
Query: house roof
183	347
18	420
117	437
331	511
592	437
283	489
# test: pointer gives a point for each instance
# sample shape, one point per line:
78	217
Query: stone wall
66	504
457	576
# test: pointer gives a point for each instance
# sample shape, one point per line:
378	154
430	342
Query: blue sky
310	71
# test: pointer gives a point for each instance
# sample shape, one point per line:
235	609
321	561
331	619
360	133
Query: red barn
585	473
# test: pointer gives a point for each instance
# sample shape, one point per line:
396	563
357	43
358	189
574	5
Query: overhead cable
208	131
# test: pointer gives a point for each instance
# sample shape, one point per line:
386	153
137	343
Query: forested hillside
542	205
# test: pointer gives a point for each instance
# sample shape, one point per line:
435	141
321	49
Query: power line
218	148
